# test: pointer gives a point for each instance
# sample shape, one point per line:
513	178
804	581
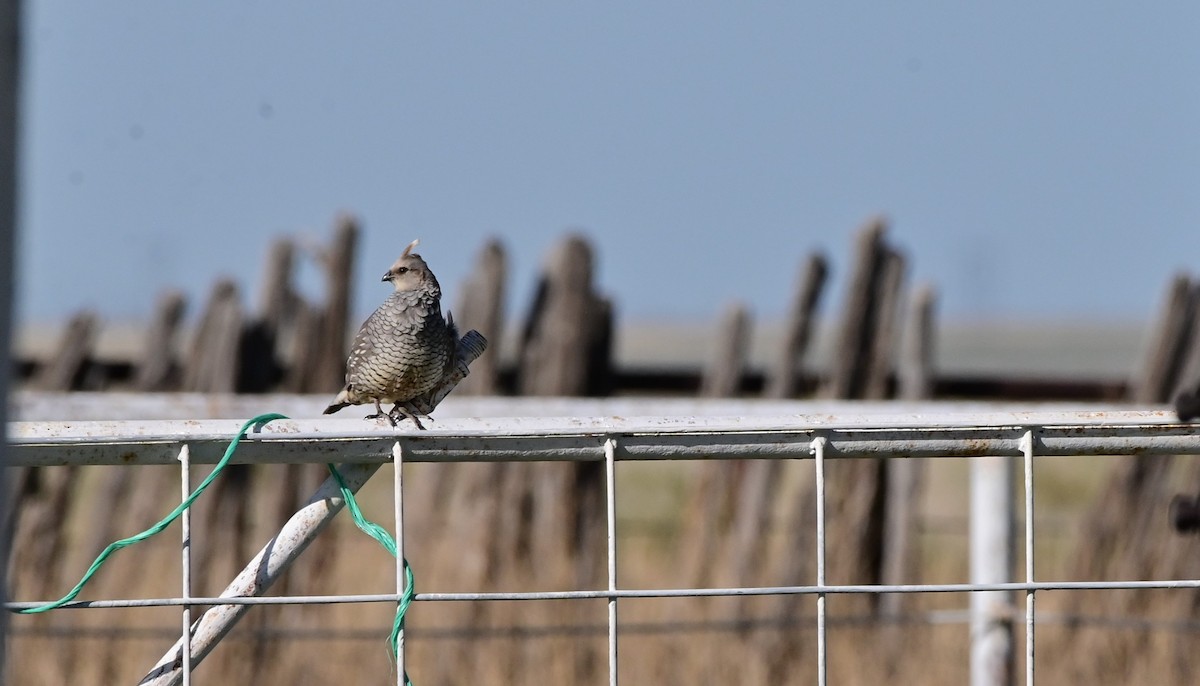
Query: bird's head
410	273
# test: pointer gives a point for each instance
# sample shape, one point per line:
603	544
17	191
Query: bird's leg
397	413
415	410
379	414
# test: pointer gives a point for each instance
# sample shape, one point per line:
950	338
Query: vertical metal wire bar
1027	450
610	476
401	581
185	477
818	451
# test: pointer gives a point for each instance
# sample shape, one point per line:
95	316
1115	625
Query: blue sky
1037	160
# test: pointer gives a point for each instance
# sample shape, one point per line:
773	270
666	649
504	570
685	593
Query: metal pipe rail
756	431
1120	432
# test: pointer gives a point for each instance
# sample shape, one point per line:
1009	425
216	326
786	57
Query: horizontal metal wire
866	589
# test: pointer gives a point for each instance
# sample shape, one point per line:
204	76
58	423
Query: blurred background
780	200
1038	163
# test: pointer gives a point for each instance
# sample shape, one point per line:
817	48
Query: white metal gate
1003	437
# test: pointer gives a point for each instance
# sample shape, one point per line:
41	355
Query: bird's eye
402	270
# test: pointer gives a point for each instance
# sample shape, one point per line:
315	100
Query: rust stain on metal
978	448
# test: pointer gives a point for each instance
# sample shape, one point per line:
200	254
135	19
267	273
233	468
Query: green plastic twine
385	539
257	422
372	529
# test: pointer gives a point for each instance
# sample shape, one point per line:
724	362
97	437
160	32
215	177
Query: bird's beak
387	275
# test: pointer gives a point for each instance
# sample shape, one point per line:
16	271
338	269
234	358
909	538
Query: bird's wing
393	319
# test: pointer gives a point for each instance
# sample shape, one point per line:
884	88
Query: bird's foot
382	415
398	413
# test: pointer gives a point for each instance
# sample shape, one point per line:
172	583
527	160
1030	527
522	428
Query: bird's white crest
409	249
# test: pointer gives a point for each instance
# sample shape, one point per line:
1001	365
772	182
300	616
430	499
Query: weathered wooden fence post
66	368
338	263
212	366
783	381
566	350
278	299
915	365
268	337
1186	391
906	477
159	369
481	307
748	542
566	342
300	375
727	358
1126	533
849	367
719	494
885	326
471	496
718	485
1168	344
856	490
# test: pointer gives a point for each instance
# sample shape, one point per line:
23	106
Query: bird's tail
339	402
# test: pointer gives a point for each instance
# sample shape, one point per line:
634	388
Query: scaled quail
404	348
